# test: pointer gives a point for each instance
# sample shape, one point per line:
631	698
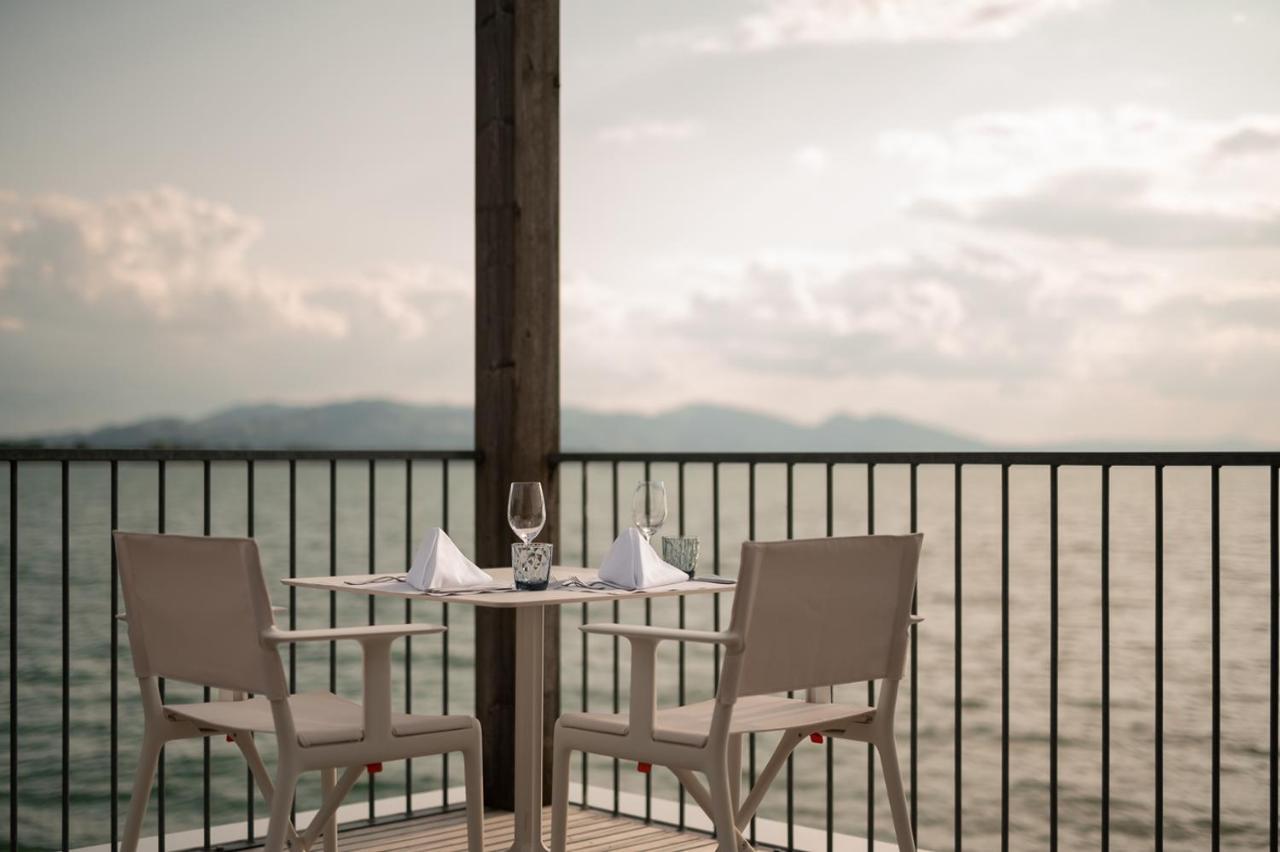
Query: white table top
549	597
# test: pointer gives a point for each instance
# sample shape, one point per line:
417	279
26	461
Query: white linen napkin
439	566
632	563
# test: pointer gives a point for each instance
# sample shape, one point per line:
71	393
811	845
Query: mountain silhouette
384	424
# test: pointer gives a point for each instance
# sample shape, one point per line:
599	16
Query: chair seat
321	718
691	724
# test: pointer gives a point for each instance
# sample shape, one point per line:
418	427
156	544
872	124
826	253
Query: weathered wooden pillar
517	336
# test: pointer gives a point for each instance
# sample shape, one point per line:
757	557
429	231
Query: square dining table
530	610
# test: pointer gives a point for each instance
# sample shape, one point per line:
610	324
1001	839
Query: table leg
528	757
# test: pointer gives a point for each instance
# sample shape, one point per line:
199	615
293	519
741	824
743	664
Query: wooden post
517	408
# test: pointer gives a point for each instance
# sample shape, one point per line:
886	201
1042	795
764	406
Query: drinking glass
649	507
681	551
532	566
526	510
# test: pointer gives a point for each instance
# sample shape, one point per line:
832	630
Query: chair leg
722	809
897	798
473	769
328	777
735	770
560	798
142	781
281	805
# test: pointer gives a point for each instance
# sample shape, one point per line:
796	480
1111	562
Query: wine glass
649	507
526	510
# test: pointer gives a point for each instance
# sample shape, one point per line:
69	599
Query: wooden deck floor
589	831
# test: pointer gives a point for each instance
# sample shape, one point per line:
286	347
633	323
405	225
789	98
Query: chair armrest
644	641
375	644
656	634
369	633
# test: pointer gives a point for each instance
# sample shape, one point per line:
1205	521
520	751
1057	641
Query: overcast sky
1028	220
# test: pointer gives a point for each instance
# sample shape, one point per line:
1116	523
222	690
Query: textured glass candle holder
532	564
681	551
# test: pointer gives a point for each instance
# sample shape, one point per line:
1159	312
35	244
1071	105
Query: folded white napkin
439	566
633	564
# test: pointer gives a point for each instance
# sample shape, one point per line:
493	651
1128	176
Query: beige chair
807	615
198	611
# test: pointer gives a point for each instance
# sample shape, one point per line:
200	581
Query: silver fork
386	579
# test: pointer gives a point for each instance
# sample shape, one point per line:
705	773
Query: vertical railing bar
115	662
444	637
648	619
293	572
1053	658
791	785
1159	652
1216	654
373	780
13	654
1275	660
160	773
206	801
1004	658
751	536
66	655
617	780
293	595
715	568
333	570
831	741
959	699
680	673
1106	657
249	795
871	684
585	682
915	680
408	618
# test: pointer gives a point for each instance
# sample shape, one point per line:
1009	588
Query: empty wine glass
526	510
649	507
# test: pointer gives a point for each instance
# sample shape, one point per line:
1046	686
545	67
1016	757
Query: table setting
440	569
532	586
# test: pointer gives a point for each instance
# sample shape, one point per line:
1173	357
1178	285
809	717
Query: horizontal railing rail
94	454
1062	458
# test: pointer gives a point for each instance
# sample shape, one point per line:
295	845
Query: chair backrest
196	609
818	612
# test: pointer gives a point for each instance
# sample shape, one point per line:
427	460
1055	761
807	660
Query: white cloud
1013	147
152	303
414	299
1129	176
1003	338
1253	137
632	132
777	24
1116	208
178	258
812	159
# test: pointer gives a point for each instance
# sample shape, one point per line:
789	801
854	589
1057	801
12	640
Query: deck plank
589	831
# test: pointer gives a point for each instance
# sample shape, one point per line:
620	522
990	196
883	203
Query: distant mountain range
383	424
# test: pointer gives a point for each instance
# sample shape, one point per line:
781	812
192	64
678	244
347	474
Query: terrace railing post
517	405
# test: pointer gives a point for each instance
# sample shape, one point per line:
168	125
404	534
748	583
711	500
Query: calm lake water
1245	636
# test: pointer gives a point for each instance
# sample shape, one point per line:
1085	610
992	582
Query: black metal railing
172	482
1087	820
1022	550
